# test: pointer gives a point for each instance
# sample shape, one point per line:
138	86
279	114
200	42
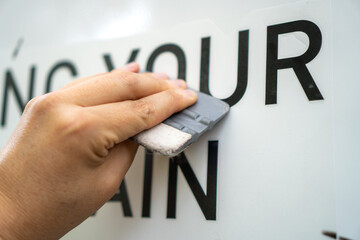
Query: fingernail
161	75
131	66
190	93
178	83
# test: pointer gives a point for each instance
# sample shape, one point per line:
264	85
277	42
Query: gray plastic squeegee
177	132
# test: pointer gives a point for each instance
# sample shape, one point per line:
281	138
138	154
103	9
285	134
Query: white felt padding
163	139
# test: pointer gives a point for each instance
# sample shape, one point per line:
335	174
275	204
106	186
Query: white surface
347	117
163	139
42	22
275	162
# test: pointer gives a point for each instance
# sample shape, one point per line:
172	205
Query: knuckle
174	95
129	79
31	103
175	98
42	103
145	110
74	123
119	80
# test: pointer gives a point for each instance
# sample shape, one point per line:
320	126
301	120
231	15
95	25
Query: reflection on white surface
42	22
128	23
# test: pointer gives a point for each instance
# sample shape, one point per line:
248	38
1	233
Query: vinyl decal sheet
264	172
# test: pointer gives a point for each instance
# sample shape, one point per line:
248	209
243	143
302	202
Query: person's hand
71	149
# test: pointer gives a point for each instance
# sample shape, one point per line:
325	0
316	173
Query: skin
71	148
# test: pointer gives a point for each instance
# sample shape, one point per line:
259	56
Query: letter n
207	202
10	84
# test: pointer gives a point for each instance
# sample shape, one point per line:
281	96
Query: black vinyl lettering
298	63
334	235
172	186
17	48
207	202
181	59
63	64
109	64
177	51
242	69
149	158
10	84
133	55
123	197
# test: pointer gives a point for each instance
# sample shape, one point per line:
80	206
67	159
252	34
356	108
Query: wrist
11	218
9	221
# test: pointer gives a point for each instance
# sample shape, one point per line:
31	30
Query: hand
71	149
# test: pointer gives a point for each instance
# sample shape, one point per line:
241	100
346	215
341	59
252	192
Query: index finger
118	86
132	67
128	118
